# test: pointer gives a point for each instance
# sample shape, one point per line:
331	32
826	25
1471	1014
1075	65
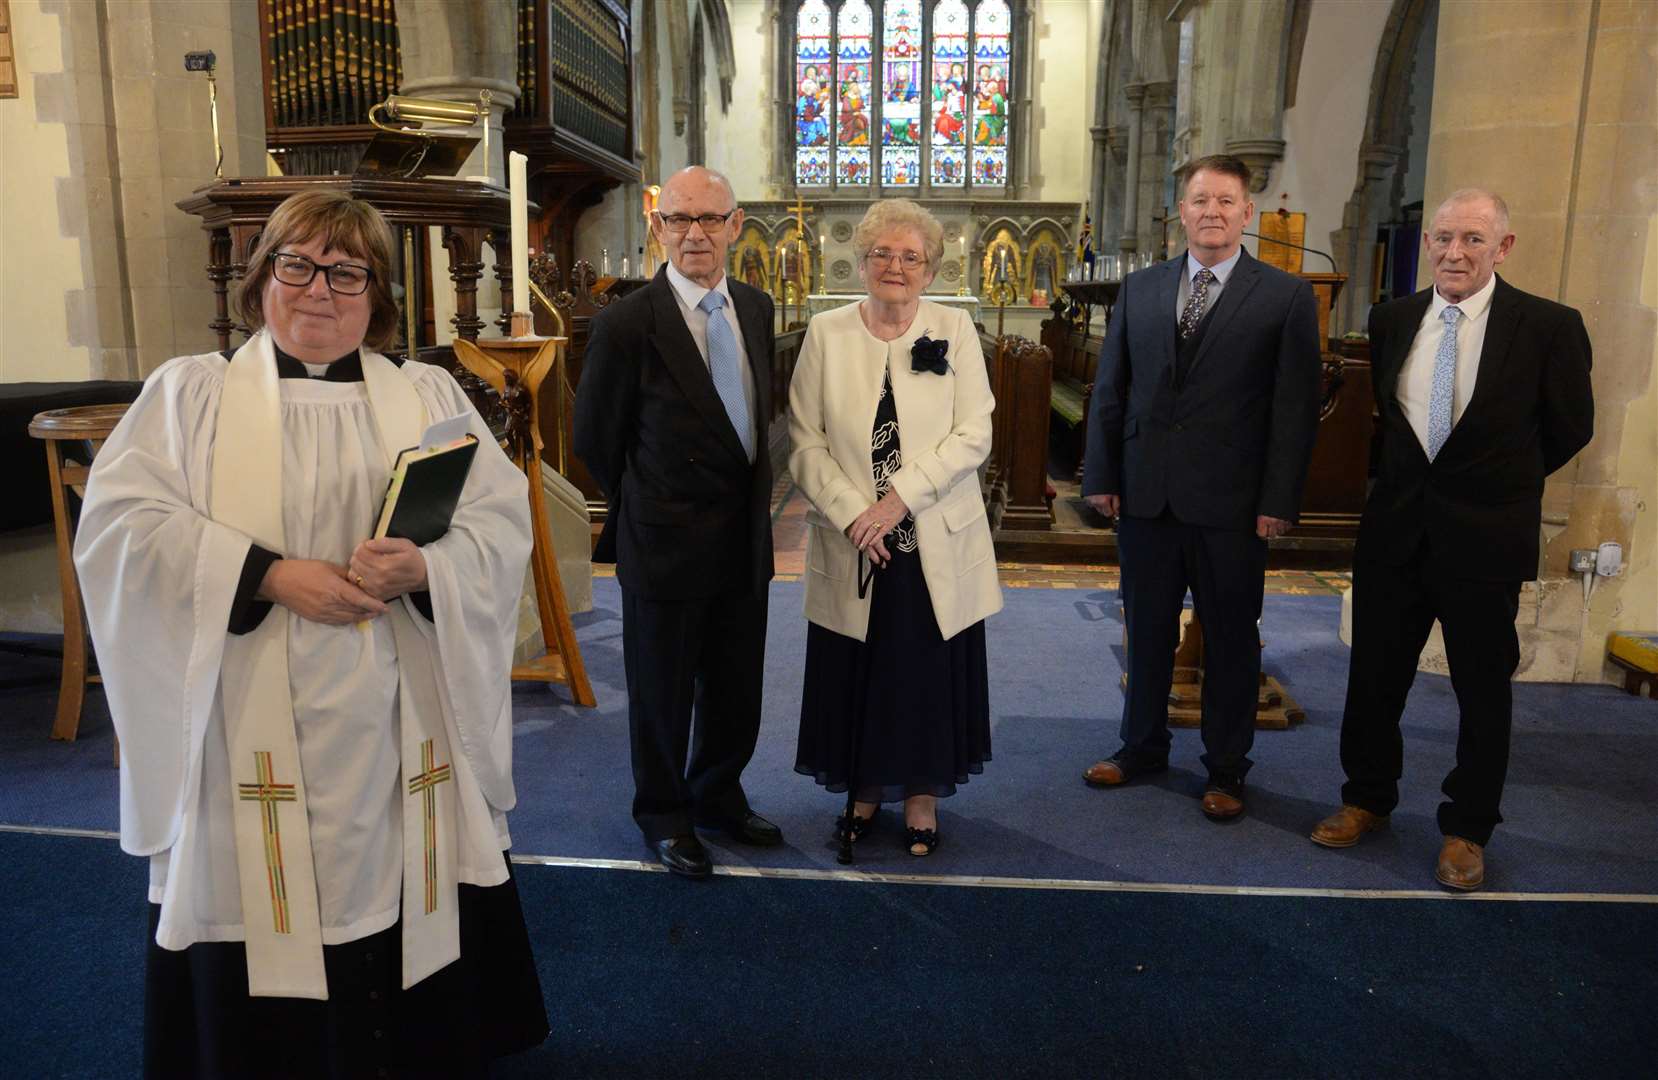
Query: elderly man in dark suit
1482	390
671	420
1199	433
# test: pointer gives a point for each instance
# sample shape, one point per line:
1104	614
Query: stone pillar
1110	221
1156	135
1128	241
1355	241
454	51
1566	129
1257	128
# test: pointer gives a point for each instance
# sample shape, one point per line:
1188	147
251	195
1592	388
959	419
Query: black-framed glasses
347	279
884	256
678	223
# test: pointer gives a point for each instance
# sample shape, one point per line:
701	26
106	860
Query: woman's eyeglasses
347	279
884	257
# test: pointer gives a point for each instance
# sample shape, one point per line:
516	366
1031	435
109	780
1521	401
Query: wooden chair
85	427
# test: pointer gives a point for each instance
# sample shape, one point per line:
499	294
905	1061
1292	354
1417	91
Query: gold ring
358	578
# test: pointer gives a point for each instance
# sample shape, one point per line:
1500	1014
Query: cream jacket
944	432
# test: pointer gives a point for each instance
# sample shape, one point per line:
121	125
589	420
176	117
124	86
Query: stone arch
1381	158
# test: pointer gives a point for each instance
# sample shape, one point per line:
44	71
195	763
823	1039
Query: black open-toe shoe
858	826
927	838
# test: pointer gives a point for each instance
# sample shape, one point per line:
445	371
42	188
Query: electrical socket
1583	560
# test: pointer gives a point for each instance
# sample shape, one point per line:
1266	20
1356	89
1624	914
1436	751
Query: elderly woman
889	413
314	725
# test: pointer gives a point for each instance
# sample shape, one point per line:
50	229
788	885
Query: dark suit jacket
1479	502
689	517
1231	442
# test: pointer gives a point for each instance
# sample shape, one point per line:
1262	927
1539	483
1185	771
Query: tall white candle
519	187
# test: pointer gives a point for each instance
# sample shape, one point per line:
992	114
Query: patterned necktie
1193	314
1443	396
727	373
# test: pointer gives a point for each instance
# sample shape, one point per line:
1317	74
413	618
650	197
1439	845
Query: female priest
315	726
889	413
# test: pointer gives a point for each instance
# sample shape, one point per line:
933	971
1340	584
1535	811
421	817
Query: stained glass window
812	84
901	93
902	89
990	85
853	56
950	89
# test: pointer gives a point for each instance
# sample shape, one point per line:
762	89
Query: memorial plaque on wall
1288	227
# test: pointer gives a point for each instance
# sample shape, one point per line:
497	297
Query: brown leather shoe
1107	773
1344	827
1461	864
1222	804
1119	769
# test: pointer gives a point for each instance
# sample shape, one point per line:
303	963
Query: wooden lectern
515	368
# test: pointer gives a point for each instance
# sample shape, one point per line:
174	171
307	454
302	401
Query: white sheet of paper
445	431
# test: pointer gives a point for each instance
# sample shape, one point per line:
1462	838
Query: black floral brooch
929	355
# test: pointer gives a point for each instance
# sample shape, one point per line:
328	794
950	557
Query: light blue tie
727	373
1442	400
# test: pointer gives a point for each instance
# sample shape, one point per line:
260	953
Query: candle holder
515	368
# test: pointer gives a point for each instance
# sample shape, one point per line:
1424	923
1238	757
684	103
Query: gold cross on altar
799	212
267	792
425	785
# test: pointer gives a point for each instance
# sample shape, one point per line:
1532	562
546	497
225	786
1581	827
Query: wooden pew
1023	383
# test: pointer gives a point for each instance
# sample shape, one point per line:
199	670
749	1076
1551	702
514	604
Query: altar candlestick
519	186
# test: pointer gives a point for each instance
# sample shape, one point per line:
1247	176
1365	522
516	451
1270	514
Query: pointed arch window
903	94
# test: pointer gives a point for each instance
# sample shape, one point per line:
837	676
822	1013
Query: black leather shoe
682	855
751	828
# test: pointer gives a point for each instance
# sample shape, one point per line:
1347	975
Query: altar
817	303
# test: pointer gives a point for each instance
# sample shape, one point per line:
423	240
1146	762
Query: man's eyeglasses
908	259
347	279
678	223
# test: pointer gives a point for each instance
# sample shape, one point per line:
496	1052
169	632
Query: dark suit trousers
694	657
1225	569
1394	607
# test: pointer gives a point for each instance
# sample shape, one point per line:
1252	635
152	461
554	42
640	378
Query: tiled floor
789	544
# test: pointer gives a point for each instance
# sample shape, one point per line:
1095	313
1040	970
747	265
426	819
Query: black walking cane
849	819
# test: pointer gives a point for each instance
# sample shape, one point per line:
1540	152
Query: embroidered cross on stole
425	785
267	792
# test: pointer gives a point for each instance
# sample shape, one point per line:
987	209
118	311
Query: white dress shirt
689	294
1222	270
1415	385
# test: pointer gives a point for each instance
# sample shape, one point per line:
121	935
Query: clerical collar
348	368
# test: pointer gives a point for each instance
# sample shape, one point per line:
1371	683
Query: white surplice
160	574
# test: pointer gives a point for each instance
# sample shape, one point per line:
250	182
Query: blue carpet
651	977
1578	800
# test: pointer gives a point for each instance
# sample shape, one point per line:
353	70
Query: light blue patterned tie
1442	400
727	373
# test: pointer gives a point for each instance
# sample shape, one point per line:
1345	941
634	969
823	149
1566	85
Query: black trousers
1394	607
695	658
1225	569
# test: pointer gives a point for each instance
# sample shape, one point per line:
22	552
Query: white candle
519	187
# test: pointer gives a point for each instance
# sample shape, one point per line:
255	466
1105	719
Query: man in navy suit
671	420
1200	429
1482	391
